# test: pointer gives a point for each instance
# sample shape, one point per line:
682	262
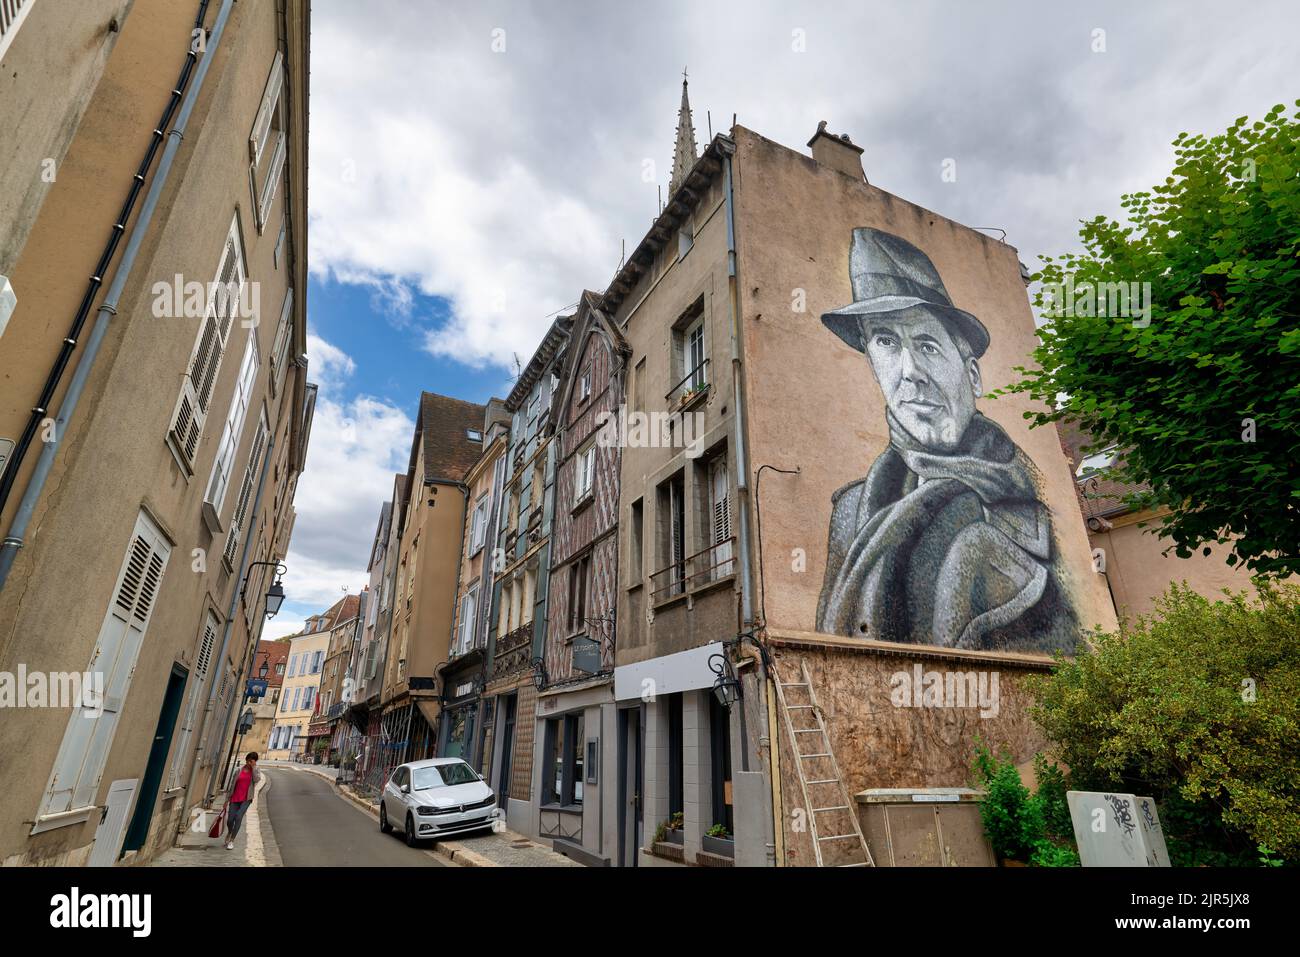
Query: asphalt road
314	827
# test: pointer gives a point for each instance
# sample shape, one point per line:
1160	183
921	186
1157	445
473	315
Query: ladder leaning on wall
828	784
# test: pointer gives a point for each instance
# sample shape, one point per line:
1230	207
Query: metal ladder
825	753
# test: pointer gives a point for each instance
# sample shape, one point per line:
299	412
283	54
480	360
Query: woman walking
241	796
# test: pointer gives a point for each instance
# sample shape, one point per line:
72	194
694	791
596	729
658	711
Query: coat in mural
946	541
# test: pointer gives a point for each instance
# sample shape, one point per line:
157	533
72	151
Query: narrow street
314	827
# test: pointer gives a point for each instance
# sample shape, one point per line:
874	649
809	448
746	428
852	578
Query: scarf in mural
946	549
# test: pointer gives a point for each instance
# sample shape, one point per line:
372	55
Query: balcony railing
710	564
514	650
691	385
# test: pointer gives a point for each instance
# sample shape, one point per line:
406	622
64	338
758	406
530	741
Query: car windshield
435	776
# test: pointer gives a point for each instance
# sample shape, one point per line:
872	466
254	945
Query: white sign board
1117	830
683	671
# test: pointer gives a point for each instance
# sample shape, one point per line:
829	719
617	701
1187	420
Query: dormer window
474	435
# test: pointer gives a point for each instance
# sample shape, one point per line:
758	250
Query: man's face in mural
929	377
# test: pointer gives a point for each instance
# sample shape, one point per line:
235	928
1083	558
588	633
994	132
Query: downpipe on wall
742	482
16	535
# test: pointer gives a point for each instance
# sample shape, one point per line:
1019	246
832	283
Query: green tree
1201	393
1197	706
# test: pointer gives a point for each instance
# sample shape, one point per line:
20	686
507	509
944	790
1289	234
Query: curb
450	850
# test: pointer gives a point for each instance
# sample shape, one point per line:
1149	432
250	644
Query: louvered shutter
84	751
202	663
196	389
721	520
677	508
240	520
12	14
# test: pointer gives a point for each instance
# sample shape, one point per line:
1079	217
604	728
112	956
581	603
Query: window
638	386
564	742
534	406
240	520
574	745
584	474
693	354
720	748
685	238
468	614
474	435
308	698
193	404
279	668
676	756
579	574
293	665
636	543
584	385
233	430
316	657
670	578
268	144
1097	462
478	525
74	779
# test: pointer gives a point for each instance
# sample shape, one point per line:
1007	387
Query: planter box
677	837
722	846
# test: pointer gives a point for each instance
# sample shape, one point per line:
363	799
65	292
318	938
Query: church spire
684	150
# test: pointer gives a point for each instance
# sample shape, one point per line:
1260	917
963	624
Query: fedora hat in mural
889	274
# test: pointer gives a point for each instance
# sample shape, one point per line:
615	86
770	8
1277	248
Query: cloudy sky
475	166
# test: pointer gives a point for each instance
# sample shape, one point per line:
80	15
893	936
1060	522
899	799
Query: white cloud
507	181
357	444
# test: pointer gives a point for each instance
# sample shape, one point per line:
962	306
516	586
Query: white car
435	798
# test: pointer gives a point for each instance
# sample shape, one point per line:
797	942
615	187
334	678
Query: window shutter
266	111
283	339
196	390
12	14
273	175
239	520
676	506
83	753
201	665
721	520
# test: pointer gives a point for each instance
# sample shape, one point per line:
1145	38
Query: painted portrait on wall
946	540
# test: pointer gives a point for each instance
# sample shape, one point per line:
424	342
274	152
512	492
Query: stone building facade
154	408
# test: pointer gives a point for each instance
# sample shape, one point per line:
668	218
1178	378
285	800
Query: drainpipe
742	486
742	466
15	538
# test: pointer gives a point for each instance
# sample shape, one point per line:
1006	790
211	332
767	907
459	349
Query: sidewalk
500	849
254	847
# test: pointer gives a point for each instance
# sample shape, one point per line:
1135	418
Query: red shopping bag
215	830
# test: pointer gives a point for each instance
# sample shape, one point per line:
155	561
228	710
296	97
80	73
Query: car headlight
426	810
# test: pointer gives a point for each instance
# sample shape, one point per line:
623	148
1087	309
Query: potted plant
718	840
675	829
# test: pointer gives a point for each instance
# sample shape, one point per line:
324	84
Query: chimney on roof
837	152
684	151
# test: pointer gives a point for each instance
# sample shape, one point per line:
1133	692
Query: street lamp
266	666
725	687
539	673
274	594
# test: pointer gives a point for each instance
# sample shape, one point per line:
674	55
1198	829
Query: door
629	749
153	772
108	835
507	749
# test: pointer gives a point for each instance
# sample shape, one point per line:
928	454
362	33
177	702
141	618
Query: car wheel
384	826
411	839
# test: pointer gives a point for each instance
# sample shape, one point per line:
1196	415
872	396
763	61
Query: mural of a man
946	540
